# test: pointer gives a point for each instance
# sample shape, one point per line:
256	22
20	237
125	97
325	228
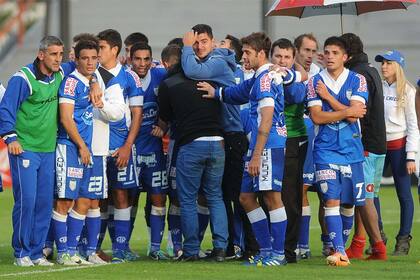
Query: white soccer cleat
65	259
95	259
79	260
23	262
42	262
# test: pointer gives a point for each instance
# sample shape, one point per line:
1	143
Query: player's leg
305	221
75	222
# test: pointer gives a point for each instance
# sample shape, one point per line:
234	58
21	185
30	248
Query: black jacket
373	124
180	101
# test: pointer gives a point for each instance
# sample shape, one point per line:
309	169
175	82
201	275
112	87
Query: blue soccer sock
93	227
102	231
82	245
305	222
49	242
238	238
111	225
262	234
174	225
133	215
157	226
278	222
75	222
347	217
122	228
335	228
59	224
203	221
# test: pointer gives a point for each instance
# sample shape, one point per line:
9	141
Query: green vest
294	120
36	120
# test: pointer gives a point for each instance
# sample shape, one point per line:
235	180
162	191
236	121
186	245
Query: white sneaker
23	262
47	252
65	259
42	262
95	259
79	260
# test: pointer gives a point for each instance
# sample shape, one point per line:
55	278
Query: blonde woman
402	137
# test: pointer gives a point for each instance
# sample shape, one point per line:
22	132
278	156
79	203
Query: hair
203	28
169	51
85	37
140	46
259	41
336	41
48	41
85	45
299	39
136	37
402	85
353	42
112	37
176	41
236	45
283	43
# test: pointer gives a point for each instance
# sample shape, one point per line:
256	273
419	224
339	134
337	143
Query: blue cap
392	55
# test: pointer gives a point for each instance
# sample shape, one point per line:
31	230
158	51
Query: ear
114	50
345	57
41	55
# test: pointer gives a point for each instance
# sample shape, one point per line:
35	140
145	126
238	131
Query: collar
145	82
116	70
262	69
385	84
37	72
82	78
334	85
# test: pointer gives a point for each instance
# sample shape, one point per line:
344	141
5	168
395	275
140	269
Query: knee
63	206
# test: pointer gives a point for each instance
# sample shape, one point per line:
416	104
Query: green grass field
315	268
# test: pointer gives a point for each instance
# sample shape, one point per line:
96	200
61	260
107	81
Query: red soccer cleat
378	252
355	251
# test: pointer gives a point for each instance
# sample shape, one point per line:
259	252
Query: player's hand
204	86
411	167
322	91
157	131
278	69
254	165
122	154
95	95
85	155
357	110
321	60
190	38
15	148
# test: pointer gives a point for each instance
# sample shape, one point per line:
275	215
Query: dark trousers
236	145
292	190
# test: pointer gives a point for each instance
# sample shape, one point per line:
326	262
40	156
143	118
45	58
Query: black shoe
402	247
217	254
184	258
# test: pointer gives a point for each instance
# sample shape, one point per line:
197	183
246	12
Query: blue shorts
373	167
341	182
308	166
74	180
271	172
123	178
171	168
152	168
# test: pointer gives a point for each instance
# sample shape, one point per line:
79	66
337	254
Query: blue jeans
201	164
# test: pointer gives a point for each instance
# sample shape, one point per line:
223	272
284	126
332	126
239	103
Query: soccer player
79	176
121	170
265	158
130	40
28	124
150	158
338	150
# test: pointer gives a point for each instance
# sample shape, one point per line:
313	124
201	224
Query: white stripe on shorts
61	169
265	179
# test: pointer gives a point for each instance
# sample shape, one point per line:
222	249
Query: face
283	57
306	53
226	44
203	46
87	61
106	53
389	70
51	58
141	62
334	57
250	57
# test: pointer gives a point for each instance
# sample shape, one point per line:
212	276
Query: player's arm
266	111
356	110
16	93
237	95
112	106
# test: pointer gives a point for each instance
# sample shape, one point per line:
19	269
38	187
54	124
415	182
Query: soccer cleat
253	260
118	257
177	255
304	254
402	247
378	252
130	256
368	251
338	259
202	254
355	251
136	255
42	262
23	262
327	250
95	259
158	256
48	253
107	258
79	260
65	259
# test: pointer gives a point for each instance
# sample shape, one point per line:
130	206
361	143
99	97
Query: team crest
25	163
72	185
324	187
348	94
156	90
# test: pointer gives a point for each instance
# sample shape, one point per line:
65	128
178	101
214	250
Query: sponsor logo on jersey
370	188
281	130
70	86
309	176
74	172
326	174
265	83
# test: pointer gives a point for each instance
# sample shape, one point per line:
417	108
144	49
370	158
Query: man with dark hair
132	39
80	37
176	41
233	43
338	150
28	125
374	143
